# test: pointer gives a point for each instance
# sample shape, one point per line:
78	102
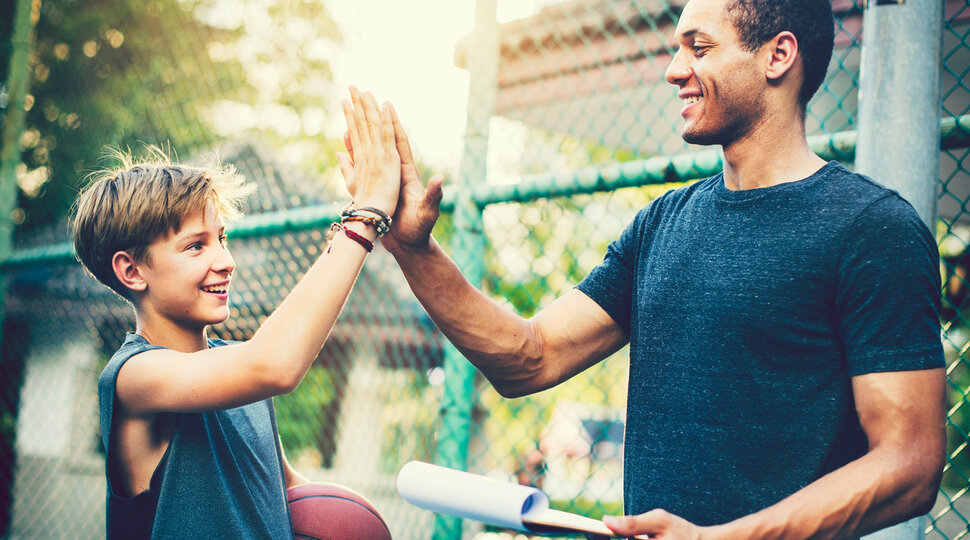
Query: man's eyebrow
694	33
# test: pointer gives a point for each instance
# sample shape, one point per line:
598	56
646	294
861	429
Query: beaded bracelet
379	219
338	227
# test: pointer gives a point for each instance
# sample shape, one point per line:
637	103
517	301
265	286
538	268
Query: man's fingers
653	522
434	193
401	137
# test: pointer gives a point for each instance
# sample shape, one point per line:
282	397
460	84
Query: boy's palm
372	170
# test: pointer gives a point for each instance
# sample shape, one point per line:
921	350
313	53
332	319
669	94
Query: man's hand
417	208
655	524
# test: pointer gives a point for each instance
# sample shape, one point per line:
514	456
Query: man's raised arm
519	356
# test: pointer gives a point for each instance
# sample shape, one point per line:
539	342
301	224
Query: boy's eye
224	239
195	246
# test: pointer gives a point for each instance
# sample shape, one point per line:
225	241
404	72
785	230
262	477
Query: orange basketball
322	511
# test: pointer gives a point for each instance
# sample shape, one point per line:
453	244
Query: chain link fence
571	130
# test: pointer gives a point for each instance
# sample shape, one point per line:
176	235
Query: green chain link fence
571	129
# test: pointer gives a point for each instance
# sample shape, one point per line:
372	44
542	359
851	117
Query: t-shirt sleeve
888	293
611	283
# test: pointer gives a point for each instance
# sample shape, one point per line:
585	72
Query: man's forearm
503	345
869	494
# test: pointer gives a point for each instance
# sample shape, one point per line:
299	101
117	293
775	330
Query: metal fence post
899	100
899	120
468	245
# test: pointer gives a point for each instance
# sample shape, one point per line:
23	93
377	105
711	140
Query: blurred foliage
302	418
182	73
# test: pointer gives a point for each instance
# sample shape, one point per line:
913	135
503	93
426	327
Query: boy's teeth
214	289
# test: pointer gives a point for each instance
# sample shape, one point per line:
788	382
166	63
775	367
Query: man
786	372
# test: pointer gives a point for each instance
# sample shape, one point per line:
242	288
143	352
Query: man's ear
127	271
782	51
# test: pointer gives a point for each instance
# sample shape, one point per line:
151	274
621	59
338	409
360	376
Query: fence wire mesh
578	101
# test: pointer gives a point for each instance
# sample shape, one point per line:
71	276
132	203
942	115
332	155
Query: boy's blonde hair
130	206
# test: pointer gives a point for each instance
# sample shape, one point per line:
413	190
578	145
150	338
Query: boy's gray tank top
221	477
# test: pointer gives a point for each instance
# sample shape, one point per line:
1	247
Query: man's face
188	273
720	83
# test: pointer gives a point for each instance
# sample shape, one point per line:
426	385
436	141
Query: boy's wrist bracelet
338	227
368	215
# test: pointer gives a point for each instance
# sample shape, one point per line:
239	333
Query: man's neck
775	152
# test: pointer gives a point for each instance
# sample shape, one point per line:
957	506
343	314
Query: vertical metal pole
25	15
899	122
468	245
899	99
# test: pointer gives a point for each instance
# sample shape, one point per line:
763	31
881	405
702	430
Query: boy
187	422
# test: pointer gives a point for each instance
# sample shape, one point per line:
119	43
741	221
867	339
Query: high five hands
417	208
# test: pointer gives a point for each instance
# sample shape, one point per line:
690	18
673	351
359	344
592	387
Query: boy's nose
224	262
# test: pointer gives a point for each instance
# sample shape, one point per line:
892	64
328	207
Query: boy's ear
127	271
782	51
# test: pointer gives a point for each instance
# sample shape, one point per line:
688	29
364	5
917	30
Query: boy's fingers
387	126
348	144
373	118
351	137
360	118
346	165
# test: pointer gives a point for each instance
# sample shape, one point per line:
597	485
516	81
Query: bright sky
403	51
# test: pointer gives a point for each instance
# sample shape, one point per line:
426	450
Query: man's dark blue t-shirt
748	312
221	476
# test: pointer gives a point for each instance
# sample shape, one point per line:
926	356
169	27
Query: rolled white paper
458	493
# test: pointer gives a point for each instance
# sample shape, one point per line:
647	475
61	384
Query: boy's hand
373	170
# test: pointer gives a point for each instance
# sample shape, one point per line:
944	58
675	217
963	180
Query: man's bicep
576	333
903	409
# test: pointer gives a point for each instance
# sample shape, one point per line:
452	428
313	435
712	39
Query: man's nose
678	71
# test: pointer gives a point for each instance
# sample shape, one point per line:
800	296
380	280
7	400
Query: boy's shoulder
133	344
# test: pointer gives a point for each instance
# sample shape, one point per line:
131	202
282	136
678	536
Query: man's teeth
692	99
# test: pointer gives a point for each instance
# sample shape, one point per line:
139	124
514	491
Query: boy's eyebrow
189	238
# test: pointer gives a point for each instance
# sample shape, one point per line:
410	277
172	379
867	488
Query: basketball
321	511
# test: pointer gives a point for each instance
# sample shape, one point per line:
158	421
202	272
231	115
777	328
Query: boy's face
187	273
720	83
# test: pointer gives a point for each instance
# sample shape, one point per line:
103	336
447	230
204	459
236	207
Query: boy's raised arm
283	348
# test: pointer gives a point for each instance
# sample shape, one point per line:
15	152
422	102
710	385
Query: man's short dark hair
811	21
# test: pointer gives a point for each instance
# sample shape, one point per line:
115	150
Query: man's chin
699	137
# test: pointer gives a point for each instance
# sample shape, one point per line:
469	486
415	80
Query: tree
115	73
